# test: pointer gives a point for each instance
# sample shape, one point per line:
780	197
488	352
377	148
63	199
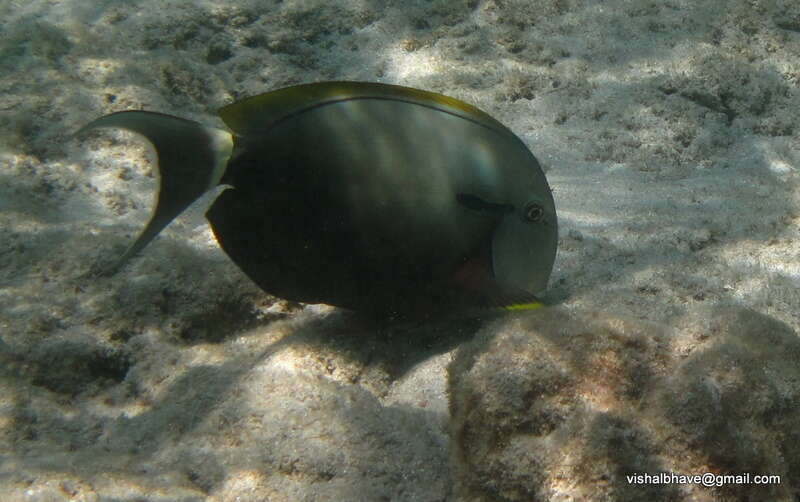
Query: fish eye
534	212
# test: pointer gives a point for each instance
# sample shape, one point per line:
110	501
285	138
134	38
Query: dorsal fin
257	113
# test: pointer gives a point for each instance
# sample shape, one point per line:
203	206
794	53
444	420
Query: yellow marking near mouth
524	306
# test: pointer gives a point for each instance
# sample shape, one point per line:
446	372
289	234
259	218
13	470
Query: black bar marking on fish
477	204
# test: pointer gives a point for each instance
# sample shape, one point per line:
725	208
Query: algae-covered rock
554	405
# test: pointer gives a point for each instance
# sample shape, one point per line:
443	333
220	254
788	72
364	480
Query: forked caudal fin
191	160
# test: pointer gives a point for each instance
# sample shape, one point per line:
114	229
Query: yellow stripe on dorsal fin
257	113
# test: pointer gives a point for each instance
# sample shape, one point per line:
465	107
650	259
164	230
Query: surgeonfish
372	197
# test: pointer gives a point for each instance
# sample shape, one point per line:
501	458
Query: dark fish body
365	196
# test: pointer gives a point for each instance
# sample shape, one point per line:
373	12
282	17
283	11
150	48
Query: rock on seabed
555	405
